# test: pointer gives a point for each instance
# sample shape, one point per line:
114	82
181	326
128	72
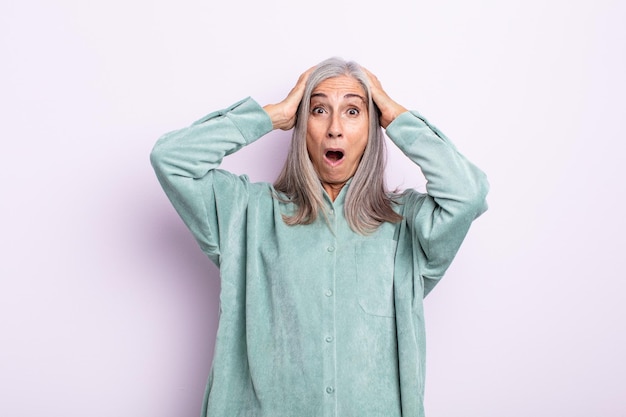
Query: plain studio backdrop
109	308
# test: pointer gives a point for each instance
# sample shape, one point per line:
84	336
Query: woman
323	273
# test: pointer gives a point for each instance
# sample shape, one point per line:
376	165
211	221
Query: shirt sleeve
456	194
209	200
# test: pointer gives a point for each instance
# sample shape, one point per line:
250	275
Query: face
337	130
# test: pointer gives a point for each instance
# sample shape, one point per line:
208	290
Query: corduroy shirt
317	320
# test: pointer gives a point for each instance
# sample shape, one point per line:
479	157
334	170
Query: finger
303	78
297	91
374	82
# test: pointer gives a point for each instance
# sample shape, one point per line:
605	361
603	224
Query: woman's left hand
389	109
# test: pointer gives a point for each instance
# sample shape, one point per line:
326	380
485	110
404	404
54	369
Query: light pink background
108	307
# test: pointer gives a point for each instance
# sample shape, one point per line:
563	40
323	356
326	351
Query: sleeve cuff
250	118
247	115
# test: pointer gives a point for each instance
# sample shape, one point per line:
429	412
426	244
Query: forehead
339	87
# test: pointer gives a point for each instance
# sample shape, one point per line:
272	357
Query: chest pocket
374	276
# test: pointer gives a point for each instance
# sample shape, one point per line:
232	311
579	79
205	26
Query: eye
353	112
318	110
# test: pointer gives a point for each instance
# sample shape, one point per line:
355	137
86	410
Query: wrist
273	114
390	113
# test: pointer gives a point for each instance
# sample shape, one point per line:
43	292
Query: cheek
310	143
313	129
313	137
361	150
362	136
312	149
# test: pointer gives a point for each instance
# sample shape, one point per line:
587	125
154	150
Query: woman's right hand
283	114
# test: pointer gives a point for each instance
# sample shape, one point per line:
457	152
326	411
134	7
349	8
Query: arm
185	162
456	188
456	192
211	201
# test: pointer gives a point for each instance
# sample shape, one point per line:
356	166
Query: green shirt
317	320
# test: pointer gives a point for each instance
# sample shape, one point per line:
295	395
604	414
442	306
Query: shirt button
330	390
328	293
329	339
331	248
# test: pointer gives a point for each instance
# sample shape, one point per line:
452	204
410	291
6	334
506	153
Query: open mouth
334	156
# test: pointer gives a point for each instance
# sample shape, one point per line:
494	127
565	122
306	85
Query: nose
335	129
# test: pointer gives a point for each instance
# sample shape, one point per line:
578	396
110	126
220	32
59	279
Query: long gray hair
368	204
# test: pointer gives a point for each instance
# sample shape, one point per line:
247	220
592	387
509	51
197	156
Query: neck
333	190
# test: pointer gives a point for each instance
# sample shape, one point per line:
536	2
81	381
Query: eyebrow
349	95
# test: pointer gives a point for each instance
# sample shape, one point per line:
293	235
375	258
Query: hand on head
283	114
388	108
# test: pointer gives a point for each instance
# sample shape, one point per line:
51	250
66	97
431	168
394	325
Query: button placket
329	312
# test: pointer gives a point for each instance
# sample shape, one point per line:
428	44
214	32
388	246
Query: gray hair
368	203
